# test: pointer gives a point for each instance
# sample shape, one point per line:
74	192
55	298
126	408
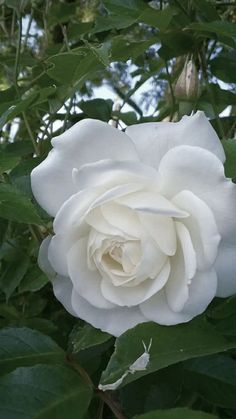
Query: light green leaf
23	347
170	344
43	392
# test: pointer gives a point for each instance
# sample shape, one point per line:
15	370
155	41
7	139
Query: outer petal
62	286
115	321
199	171
154	140
86	142
201	292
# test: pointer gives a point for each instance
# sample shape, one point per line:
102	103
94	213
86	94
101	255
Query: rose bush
144	222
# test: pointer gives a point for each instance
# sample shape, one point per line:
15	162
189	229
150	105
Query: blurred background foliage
128	61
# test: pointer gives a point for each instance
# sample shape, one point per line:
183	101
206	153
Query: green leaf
34	280
23	347
73	68
214	378
175	43
97	109
225	31
14	273
43	392
86	337
178	413
7	162
227	73
206	10
16	109
15	206
230	151
170	344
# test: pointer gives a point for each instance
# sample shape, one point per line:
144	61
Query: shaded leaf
23	347
43	392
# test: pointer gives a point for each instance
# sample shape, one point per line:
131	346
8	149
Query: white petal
202	173
132	296
162	229
115	321
73	212
202	290
151	202
62	288
202	227
110	173
86	142
123	218
183	268
58	249
154	140
190	168
96	219
43	261
86	282
189	254
225	266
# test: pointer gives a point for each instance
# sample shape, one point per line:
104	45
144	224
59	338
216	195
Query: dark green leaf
34	280
225	31
7	162
230	151
43	392
23	347
12	276
179	413
227	73
97	109
214	378
85	337
17	207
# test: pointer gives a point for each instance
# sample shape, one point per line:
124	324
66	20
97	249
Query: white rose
144	222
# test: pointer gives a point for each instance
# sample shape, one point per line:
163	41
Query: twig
112	405
171	92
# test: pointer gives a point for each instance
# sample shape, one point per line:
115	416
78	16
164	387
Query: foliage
54	55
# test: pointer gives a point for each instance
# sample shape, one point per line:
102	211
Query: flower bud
186	87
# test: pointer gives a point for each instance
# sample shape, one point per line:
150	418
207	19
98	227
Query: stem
69	107
74	364
104	396
31	135
112	405
171	92
18	48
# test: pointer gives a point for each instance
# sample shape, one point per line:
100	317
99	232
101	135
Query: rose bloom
144	226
